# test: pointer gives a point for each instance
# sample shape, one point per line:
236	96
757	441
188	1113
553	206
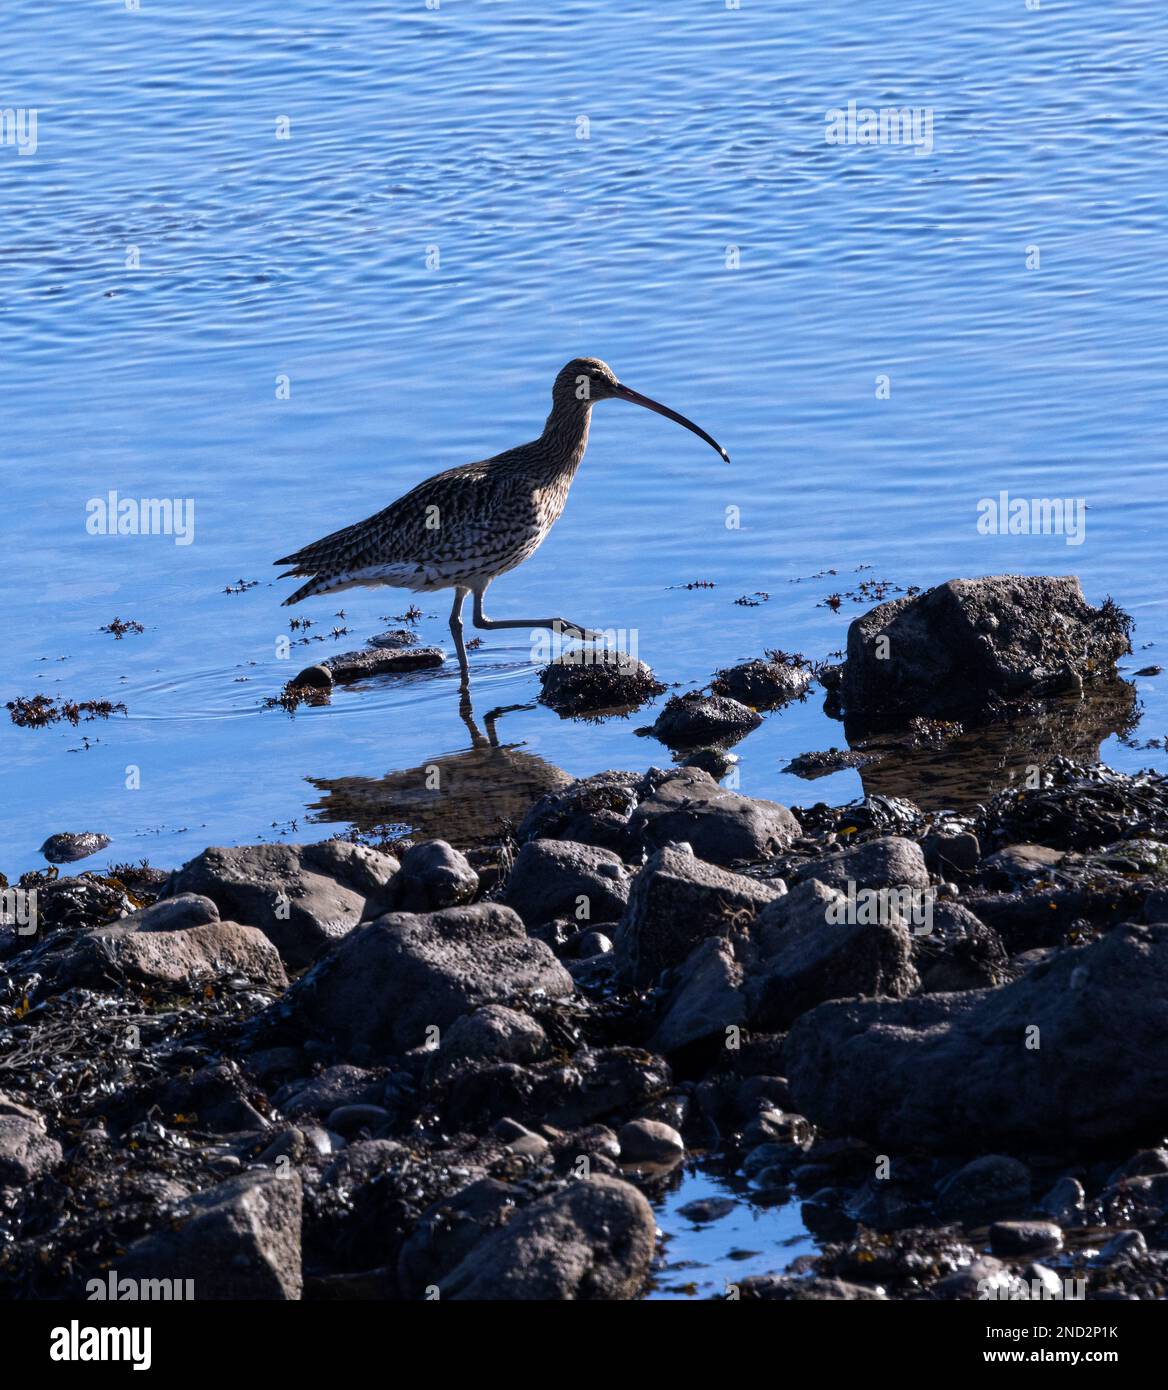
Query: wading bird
465	527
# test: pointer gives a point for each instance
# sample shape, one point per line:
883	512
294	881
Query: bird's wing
410	530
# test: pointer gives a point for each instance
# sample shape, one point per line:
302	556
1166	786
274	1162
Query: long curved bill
626	393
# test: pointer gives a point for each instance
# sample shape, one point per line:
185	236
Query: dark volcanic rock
596	1084
493	1033
592	811
762	684
990	1186
185	957
797	1289
67	846
174	914
807	957
449	1230
556	878
591	1240
606	680
677	900
302	897
386	983
961	952
433	876
885	863
238	1240
381	661
650	1141
27	1151
688	721
722	827
334	1087
706	1000
1067	1055
966	647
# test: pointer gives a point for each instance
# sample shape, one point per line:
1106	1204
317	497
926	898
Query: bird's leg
560	625
456	633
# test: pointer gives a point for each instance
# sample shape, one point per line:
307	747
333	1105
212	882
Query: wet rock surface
689	721
595	681
763	684
381	661
67	847
393	980
969	647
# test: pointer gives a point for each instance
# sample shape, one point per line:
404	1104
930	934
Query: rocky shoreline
328	1071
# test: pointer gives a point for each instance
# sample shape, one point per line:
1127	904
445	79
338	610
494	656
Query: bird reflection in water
468	798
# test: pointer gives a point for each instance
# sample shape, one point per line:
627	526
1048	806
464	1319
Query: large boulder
707	999
592	811
965	648
493	1033
181	958
555	878
812	952
722	826
239	1240
890	862
1068	1056
302	897
433	875
676	902
390	981
593	1239
27	1151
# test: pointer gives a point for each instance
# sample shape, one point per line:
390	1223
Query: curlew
463	528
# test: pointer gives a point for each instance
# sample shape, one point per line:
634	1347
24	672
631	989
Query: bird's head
585	379
588	380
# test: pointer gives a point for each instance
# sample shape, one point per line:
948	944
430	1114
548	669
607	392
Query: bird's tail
316	585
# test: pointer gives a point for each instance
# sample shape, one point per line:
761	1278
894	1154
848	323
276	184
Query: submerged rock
689	721
597	680
68	846
380	661
762	684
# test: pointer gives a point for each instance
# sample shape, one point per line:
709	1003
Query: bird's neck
565	437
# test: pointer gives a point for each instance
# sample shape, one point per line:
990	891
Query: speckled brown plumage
462	528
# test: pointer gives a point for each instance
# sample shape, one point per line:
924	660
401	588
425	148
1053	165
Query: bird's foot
583	634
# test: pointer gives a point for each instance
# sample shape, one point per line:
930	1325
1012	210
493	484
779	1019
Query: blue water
306	258
417	260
